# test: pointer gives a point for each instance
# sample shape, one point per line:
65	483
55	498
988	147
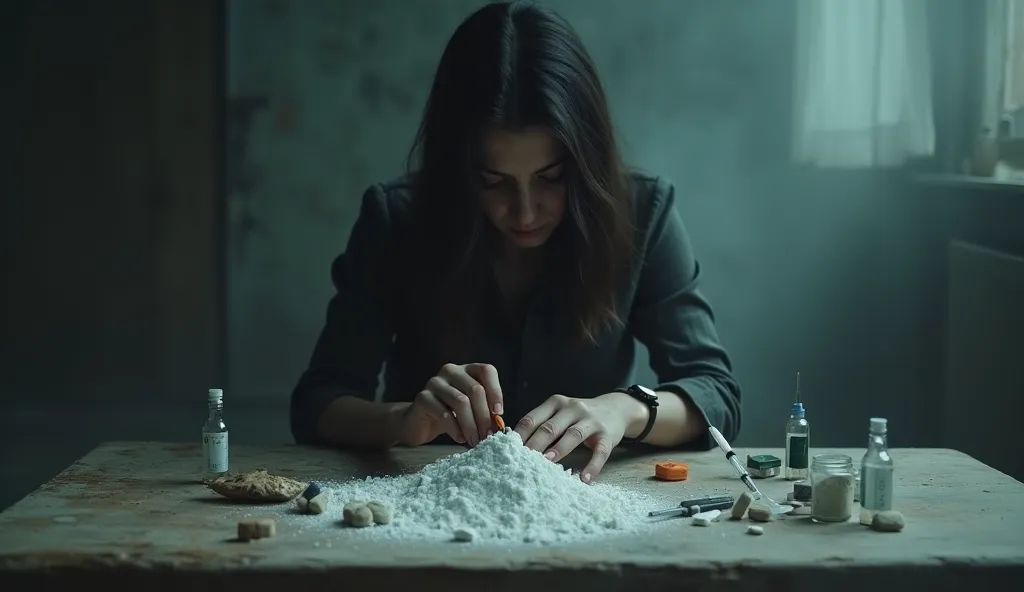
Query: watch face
646	391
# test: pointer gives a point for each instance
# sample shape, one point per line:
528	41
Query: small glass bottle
215	436
798	440
832	484
876	473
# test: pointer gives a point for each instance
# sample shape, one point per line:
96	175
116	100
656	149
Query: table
135	513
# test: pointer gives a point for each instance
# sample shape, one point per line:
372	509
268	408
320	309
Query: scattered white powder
502	491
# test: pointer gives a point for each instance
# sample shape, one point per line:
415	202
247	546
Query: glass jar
832	487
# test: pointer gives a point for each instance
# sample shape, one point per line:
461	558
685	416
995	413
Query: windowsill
970	182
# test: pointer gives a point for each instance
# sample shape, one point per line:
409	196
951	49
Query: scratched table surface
136	513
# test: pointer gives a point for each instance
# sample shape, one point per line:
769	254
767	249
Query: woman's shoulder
395	194
390	201
653	197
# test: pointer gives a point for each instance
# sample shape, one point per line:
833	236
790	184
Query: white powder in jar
501	490
832	498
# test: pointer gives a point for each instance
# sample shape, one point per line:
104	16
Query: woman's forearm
677	422
351	422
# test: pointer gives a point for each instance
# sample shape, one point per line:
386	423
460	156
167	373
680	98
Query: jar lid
763	461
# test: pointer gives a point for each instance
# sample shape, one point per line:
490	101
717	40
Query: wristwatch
647	397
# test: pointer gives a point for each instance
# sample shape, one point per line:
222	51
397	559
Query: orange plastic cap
671	471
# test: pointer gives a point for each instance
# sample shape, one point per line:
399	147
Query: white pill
740	507
759	513
258	528
706	518
382	513
318	504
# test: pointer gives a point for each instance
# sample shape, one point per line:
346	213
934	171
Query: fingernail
446	415
550	455
498	409
586	477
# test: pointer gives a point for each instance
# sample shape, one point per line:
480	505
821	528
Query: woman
512	271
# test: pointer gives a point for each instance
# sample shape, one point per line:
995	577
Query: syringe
731	456
776	507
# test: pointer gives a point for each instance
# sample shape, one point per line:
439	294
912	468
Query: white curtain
1003	76
1014	99
863	83
994	63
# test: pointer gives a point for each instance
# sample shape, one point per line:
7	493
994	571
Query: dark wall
112	205
987	215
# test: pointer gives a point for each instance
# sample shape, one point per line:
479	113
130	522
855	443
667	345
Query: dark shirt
369	323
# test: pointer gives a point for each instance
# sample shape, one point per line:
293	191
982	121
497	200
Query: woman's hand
458	401
561	423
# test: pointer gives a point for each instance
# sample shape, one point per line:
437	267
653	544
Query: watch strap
647	397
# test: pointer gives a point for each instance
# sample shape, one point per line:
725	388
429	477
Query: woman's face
523	184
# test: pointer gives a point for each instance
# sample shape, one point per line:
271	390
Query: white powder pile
501	490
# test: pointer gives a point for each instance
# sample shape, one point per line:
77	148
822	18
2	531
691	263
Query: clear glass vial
832	486
215	436
876	473
798	444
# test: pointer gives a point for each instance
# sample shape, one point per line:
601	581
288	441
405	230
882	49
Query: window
1003	95
1008	41
1012	117
863	83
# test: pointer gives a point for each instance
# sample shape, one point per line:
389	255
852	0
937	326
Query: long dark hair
513	65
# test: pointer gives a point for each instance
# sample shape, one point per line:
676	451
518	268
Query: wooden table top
136	511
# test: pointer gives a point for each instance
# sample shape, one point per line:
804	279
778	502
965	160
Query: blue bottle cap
798	410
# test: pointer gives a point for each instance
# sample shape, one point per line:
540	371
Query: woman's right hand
458	401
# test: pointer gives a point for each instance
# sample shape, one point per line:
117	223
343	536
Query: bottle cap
878	425
798	410
215	394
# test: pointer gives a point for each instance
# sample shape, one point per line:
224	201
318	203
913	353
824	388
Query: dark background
178	175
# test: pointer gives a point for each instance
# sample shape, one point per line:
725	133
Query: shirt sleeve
357	336
675	322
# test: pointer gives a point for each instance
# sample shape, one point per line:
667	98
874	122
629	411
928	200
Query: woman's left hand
561	423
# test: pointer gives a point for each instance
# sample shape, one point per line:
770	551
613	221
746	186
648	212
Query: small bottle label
798	446
215	452
876	489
